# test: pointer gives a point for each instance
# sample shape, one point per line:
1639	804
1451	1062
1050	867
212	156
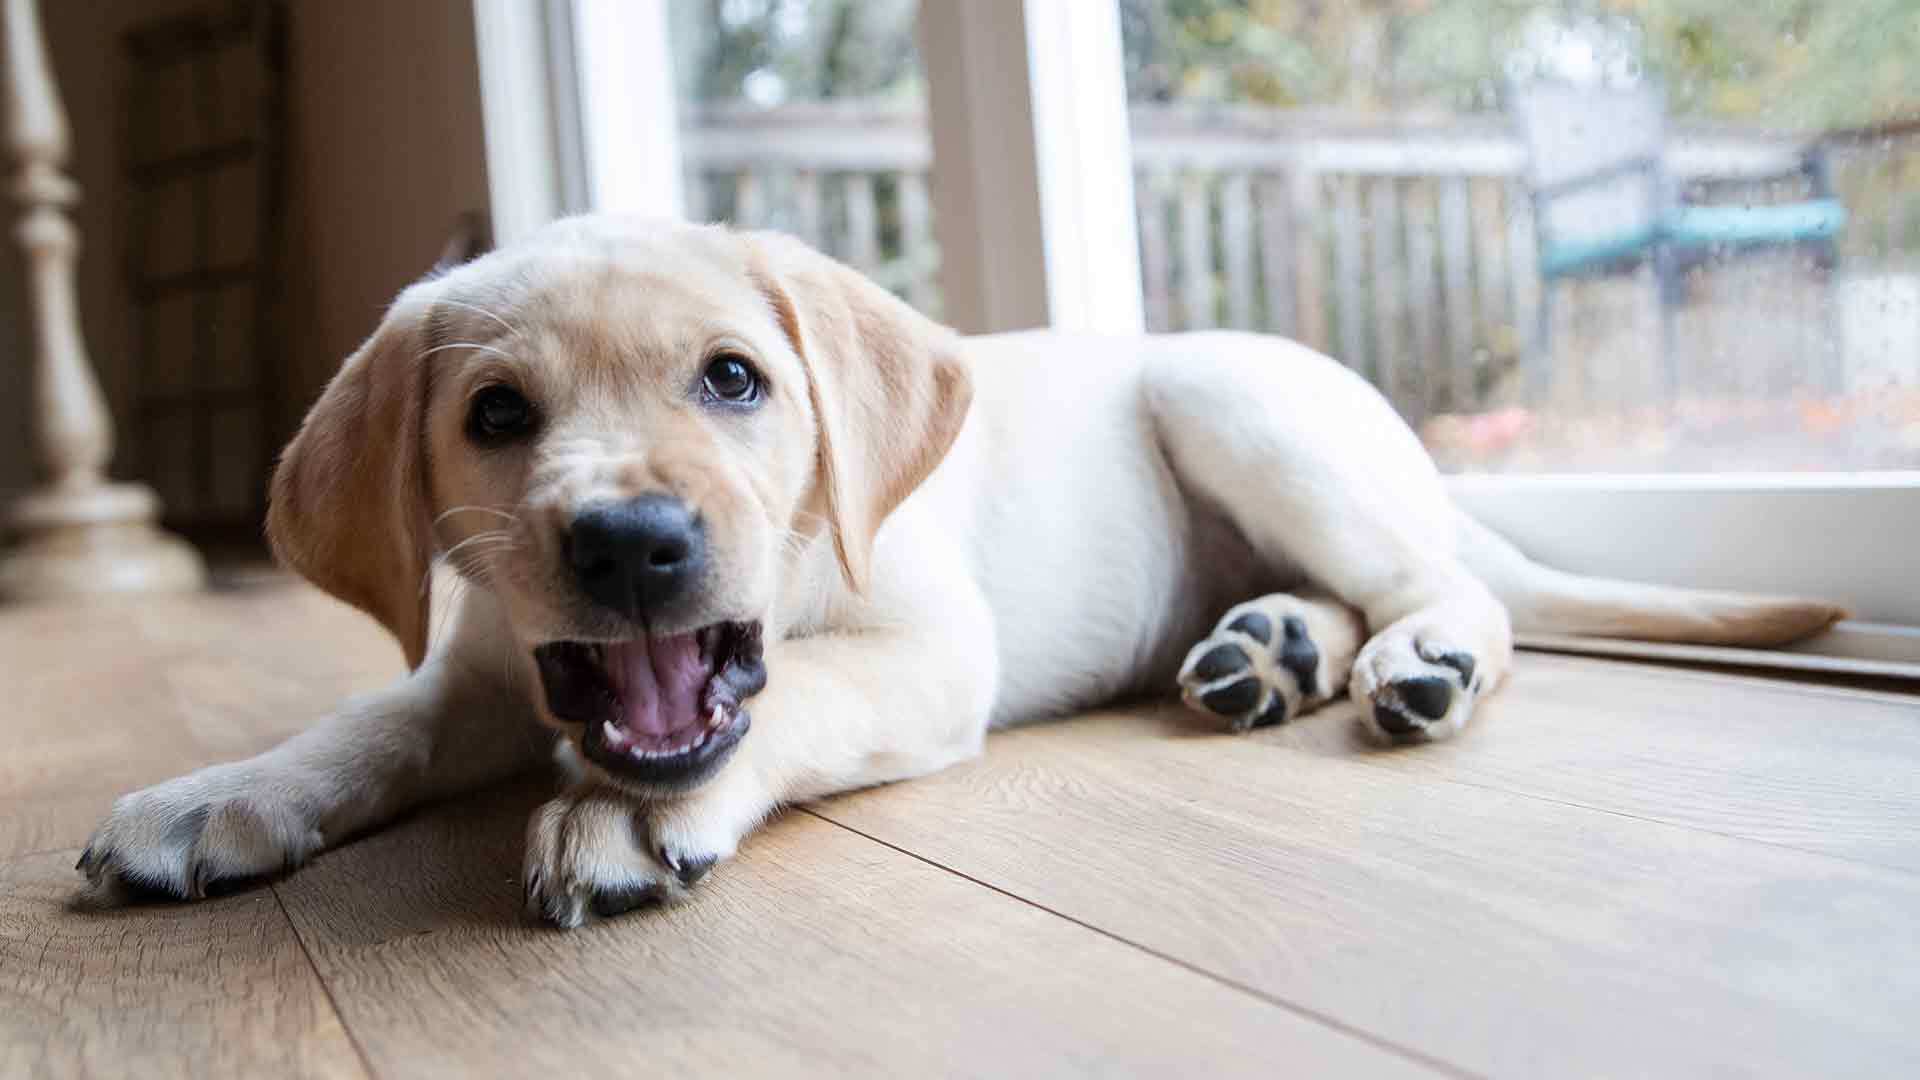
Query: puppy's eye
731	379
498	414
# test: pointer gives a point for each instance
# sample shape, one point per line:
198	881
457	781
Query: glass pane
1631	235
809	116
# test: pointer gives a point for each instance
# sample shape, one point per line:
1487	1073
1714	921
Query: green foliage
801	50
1783	63
1788	63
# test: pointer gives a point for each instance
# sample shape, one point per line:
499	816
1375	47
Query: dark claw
610	902
1220	662
692	870
1428	695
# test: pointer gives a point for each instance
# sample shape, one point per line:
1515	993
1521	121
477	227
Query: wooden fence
1407	252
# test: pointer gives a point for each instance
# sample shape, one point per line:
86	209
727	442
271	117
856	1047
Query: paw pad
1234	699
1222	661
1432	699
1254	625
1254	670
1299	655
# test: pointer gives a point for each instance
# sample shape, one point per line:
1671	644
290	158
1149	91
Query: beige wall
383	150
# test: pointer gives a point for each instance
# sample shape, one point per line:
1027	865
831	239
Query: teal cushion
1745	226
1703	227
1573	256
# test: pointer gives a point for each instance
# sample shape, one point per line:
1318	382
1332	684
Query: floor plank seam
1782	683
1314	1016
326	989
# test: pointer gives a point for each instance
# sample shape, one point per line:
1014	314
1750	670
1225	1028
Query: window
1628	237
809	116
1645	274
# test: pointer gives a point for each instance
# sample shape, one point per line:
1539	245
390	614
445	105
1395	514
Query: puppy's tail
1544	600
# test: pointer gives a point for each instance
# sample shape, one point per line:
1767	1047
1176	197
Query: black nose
638	556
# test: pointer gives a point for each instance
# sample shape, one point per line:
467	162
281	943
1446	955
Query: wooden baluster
1236	242
1348	279
1423	294
808	213
1499	329
1196	254
1529	292
749	200
1309	274
80	535
916	239
863	222
1389	295
1456	256
1156	271
1277	240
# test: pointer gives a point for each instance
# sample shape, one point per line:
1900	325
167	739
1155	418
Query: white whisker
474	345
496	512
489	540
478	310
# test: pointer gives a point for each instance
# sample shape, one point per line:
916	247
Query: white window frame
577	103
1026	104
1034	214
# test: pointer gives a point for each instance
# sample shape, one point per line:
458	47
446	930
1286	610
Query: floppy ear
349	508
889	389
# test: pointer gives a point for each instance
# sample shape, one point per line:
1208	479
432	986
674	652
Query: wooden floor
1619	870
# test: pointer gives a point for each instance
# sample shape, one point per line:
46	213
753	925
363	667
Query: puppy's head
628	432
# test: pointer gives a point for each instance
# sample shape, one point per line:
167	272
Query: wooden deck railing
1406	251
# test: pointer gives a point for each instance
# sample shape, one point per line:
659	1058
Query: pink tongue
658	681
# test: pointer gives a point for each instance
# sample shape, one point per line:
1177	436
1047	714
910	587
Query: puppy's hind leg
1319	474
1272	659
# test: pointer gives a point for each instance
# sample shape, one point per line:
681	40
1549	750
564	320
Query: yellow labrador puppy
744	529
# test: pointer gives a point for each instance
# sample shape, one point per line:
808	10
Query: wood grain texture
1504	933
817	952
1618	869
1818	769
218	989
104	699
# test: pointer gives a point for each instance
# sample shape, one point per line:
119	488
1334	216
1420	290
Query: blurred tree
1787	63
1784	63
770	52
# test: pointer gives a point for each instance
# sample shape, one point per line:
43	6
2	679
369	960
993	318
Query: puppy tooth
717	718
614	736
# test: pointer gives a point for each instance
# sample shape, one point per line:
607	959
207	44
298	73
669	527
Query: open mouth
665	710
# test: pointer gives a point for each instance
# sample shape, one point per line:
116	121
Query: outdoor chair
1604	204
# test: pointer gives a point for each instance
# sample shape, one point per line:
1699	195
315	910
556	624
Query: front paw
191	836
596	852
